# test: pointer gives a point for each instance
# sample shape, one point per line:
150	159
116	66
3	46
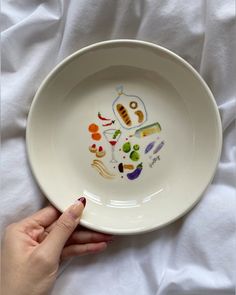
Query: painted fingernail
82	200
76	210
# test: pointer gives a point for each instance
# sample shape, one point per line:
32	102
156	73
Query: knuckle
66	224
85	249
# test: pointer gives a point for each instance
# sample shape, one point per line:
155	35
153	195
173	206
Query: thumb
64	227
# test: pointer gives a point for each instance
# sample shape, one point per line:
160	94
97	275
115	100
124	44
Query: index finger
46	216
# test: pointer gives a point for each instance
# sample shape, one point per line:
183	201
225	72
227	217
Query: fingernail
76	210
82	200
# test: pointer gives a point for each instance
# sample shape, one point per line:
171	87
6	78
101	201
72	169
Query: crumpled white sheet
195	255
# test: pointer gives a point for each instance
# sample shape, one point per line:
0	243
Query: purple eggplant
135	174
149	147
158	148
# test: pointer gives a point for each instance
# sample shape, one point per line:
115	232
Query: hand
33	248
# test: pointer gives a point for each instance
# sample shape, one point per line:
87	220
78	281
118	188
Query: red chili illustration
102	118
108	124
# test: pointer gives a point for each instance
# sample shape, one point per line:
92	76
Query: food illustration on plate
105	121
119	145
122	167
93	148
154	161
100	152
129	109
158	148
147	130
149	147
102	169
94	130
112	136
135	174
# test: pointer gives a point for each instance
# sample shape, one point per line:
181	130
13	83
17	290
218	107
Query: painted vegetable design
149	147
130	112
102	118
126	147
158	148
135	174
116	133
134	156
108	122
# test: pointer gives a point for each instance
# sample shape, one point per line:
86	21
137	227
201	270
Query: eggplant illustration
135	174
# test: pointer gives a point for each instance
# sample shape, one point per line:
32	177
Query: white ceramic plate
131	126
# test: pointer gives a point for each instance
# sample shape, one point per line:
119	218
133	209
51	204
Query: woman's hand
33	248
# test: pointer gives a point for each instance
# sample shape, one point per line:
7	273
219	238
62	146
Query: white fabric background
193	256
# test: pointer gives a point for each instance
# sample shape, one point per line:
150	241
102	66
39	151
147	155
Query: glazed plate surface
129	125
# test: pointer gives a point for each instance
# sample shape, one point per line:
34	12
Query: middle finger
87	236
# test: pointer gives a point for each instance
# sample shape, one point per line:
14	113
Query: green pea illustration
126	147
134	156
136	147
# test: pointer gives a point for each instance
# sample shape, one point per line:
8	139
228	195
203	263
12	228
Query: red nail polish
82	200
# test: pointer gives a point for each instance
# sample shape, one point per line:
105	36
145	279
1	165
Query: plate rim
83	50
